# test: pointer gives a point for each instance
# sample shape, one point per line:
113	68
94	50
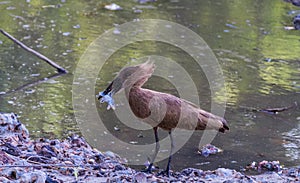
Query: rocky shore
24	160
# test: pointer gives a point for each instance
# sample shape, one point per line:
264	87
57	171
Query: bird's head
128	77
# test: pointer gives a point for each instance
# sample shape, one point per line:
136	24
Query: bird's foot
149	169
164	173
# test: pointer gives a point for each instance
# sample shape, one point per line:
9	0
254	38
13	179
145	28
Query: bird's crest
139	75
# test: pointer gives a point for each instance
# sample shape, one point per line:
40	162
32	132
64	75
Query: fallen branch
50	62
275	110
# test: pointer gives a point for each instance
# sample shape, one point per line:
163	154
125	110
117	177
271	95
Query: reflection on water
260	62
279	73
292	143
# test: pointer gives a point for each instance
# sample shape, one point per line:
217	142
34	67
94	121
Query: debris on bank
73	160
209	149
265	166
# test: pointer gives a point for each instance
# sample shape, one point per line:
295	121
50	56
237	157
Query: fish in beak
106	97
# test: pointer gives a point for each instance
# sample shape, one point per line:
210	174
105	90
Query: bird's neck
131	89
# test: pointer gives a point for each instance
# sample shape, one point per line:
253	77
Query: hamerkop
159	109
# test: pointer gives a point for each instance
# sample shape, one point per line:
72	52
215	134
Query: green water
259	60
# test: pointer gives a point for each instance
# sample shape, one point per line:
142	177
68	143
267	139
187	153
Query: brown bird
159	109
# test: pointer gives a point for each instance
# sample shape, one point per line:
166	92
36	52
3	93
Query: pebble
76	26
140	177
116	31
66	33
113	7
91	161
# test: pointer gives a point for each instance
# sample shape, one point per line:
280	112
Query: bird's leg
167	171
157	146
171	152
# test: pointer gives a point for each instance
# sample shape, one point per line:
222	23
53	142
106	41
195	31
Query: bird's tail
211	121
224	126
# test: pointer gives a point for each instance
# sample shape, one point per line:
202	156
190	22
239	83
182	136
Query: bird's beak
106	91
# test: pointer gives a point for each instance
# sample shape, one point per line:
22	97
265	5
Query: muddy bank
73	160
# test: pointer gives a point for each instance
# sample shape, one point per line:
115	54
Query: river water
258	57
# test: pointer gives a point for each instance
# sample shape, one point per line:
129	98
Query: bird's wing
206	119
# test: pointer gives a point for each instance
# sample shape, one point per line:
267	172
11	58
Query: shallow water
259	60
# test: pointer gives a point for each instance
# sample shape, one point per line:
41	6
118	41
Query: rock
296	22
294	2
113	7
9	124
293	172
36	176
96	179
4	180
110	154
6	158
91	161
145	1
225	172
140	177
191	172
11	173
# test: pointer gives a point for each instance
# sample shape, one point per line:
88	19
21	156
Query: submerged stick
33	83
274	110
50	62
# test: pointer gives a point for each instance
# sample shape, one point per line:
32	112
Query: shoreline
74	160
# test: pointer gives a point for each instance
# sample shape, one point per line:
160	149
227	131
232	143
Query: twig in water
278	109
50	62
32	83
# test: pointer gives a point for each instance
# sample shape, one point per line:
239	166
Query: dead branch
50	62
